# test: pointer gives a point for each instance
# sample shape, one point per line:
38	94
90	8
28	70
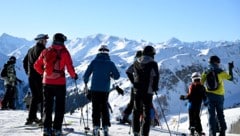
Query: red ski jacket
65	61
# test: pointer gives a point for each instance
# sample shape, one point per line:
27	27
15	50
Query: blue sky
150	20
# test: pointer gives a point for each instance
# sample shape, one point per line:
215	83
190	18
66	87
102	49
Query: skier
129	72
146	78
216	96
101	69
51	64
196	95
10	81
35	79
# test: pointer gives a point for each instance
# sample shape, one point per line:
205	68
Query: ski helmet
41	36
103	49
59	37
214	59
149	51
196	75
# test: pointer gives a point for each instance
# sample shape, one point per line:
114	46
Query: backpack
212	82
4	71
52	59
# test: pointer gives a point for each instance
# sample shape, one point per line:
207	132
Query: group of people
45	68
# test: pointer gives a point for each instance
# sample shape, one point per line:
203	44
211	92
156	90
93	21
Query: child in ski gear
101	69
129	72
10	81
27	100
196	95
216	97
54	88
34	78
145	82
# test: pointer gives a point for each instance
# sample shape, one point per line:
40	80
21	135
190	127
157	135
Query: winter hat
12	59
41	37
149	51
214	59
59	38
103	49
138	54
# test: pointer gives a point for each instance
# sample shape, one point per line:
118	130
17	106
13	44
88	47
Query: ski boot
105	131
192	131
57	133
96	131
31	121
47	132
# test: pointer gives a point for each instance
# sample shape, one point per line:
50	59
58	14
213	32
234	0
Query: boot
222	133
96	131
105	131
47	132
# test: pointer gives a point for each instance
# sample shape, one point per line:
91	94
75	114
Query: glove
182	97
230	65
76	76
119	90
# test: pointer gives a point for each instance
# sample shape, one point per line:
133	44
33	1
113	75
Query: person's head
138	54
12	60
41	39
149	51
59	39
215	60
196	77
103	49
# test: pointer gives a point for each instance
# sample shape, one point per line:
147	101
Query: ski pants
129	107
100	109
215	105
9	97
35	84
194	119
142	105
53	94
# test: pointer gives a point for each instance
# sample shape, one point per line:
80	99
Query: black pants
100	109
194	119
129	107
142	105
35	84
53	93
9	98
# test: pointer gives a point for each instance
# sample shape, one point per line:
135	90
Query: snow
12	124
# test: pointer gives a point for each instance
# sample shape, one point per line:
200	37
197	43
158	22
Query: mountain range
177	60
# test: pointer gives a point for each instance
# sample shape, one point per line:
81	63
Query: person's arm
115	74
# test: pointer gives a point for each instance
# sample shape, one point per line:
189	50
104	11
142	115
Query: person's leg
105	110
96	108
137	110
212	114
220	115
36	96
59	93
147	104
6	97
48	107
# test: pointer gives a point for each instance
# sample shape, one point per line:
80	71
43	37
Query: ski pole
179	114
130	129
163	114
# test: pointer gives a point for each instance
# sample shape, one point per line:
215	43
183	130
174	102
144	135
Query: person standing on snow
146	78
10	80
216	96
101	69
130	72
196	94
51	65
34	78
